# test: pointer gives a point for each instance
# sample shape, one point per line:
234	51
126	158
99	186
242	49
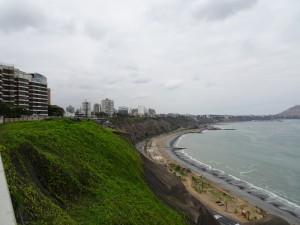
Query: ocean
260	158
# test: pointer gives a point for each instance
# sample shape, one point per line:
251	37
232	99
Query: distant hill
291	113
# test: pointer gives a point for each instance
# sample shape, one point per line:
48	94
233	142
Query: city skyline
231	57
106	106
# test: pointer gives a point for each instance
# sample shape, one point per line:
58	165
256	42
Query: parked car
217	216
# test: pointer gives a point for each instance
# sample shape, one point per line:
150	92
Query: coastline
162	149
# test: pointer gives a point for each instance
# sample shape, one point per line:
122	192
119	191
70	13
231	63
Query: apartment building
151	112
142	110
97	108
86	109
70	109
107	106
123	110
28	90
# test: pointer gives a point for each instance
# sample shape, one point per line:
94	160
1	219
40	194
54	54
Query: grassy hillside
68	172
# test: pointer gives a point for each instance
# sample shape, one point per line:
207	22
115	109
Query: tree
13	111
54	110
4	109
18	111
101	114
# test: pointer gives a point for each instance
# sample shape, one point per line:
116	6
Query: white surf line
7	214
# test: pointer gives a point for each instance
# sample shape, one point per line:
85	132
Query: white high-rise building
141	110
86	109
107	106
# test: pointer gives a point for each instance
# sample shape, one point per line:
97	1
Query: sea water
266	155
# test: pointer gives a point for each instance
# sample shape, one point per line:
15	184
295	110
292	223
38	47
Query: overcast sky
185	56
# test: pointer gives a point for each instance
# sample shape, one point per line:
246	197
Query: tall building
24	89
134	112
70	109
49	96
123	110
108	106
141	110
97	108
38	94
151	112
86	109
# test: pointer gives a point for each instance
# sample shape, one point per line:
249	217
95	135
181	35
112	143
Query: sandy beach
204	187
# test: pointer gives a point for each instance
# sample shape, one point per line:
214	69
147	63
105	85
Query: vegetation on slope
70	172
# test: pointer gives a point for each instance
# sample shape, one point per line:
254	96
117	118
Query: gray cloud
86	87
159	52
17	15
220	10
173	84
141	81
131	67
140	96
113	82
209	84
95	30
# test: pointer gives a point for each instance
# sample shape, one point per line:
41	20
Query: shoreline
163	150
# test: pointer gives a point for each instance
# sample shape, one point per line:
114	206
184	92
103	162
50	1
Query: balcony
22	97
11	101
38	106
38	103
38	95
21	85
10	84
22	89
36	98
22	81
23	101
37	90
37	86
8	76
24	104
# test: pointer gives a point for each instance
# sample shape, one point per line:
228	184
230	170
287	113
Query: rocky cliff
171	190
142	128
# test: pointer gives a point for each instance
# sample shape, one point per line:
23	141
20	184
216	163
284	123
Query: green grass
64	171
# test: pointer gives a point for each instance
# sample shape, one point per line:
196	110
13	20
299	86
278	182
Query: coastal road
223	220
